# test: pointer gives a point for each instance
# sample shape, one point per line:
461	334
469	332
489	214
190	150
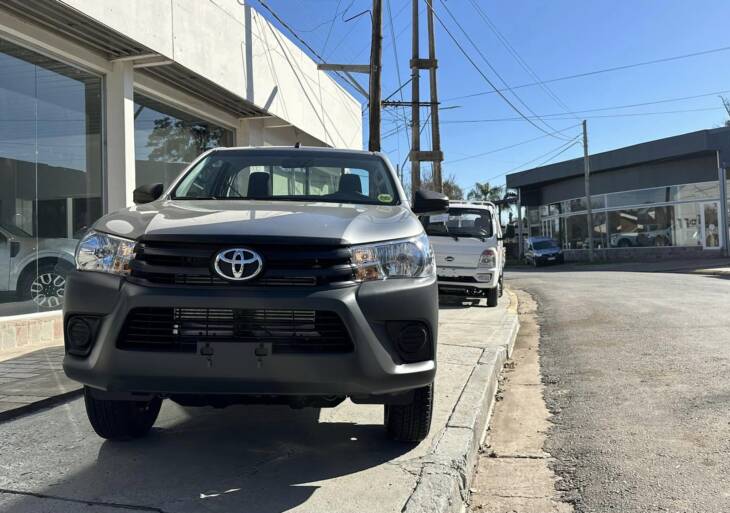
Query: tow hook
207	352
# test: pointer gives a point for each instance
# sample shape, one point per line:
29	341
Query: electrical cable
599	71
624	115
491	67
479	70
525	66
496	150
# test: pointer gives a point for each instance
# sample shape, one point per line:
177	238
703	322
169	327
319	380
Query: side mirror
430	202
147	193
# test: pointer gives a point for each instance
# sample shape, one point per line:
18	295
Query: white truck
469	250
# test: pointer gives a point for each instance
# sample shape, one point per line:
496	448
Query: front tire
411	422
493	296
121	420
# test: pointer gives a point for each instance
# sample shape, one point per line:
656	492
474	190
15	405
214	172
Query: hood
342	222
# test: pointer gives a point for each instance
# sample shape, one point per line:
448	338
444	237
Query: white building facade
100	96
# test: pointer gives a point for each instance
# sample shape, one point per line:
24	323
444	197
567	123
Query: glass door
709	213
547	227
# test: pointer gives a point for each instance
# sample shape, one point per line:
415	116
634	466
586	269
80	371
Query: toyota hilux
296	276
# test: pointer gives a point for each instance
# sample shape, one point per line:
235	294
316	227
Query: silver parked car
34	269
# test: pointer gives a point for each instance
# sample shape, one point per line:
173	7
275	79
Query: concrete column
120	179
250	132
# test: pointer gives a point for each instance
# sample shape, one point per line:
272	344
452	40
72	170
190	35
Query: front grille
181	329
460	279
190	264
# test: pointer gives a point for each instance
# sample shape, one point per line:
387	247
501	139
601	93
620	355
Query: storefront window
166	140
576	232
676	225
694	191
600	229
640	197
50	174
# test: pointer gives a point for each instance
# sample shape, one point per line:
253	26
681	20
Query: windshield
544	244
336	179
460	222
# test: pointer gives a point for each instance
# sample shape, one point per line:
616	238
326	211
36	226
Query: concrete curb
48	402
447	472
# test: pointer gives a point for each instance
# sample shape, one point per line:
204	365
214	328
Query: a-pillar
120	180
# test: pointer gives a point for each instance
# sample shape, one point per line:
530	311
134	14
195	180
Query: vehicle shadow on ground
258	459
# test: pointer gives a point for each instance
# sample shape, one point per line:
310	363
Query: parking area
269	459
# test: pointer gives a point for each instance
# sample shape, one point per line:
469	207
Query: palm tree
485	192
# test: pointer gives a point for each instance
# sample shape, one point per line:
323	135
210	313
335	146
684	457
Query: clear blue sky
556	39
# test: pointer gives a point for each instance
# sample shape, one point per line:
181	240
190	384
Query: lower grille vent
288	331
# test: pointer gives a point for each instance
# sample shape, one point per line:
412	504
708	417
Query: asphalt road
637	374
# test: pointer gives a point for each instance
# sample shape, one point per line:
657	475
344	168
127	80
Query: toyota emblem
238	264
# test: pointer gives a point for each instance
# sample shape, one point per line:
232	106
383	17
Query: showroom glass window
166	140
50	171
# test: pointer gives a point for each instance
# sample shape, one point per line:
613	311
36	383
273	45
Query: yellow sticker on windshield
385	198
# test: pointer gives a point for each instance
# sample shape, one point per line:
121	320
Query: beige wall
237	48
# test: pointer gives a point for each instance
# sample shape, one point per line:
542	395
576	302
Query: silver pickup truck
295	276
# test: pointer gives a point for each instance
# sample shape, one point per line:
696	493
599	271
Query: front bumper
373	367
556	258
462	280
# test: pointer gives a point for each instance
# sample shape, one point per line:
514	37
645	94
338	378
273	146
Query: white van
469	250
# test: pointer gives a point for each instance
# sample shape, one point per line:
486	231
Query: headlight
488	258
409	258
104	253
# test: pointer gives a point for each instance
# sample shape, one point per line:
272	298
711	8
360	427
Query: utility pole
435	132
376	57
415	107
587	176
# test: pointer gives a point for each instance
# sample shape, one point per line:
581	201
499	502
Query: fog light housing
484	277
79	334
412	340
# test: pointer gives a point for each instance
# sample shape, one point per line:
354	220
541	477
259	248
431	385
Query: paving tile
14	374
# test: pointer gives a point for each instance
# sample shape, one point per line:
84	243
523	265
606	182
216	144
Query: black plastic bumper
373	367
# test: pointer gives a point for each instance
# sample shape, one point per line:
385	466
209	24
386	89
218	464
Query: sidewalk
32	379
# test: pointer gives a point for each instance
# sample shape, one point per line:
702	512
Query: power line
491	67
332	25
496	150
560	149
296	36
511	49
625	115
481	73
599	71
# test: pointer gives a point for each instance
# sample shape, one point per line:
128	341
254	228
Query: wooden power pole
435	132
415	106
587	177
376	57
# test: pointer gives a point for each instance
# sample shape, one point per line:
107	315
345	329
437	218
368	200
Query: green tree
485	192
450	187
